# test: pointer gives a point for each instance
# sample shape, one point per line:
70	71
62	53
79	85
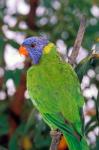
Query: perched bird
54	89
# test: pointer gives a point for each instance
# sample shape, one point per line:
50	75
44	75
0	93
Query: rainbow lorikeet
54	89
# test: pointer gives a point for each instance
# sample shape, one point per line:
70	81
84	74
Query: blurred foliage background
21	126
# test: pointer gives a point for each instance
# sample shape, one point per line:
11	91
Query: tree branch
78	41
32	14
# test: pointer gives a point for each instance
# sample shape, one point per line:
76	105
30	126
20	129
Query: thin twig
78	41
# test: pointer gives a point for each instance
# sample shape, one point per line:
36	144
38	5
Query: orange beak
23	50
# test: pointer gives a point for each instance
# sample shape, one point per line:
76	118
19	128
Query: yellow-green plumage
54	89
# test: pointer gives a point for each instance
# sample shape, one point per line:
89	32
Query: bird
54	89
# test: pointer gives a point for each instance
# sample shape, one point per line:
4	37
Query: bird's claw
55	133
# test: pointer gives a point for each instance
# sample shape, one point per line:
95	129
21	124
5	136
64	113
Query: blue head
34	47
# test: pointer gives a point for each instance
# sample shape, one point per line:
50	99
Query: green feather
54	88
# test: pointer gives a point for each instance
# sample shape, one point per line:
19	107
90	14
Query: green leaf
87	63
4	125
31	120
13	43
2	44
3	106
15	75
97	143
41	136
14	143
1	15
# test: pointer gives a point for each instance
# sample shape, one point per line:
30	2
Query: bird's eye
33	45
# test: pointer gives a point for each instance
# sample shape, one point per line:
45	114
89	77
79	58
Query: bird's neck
49	54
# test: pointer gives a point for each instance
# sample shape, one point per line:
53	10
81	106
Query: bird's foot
56	137
55	133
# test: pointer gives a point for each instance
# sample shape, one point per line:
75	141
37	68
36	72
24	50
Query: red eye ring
33	45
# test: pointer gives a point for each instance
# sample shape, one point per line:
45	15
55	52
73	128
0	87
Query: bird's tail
84	144
68	132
